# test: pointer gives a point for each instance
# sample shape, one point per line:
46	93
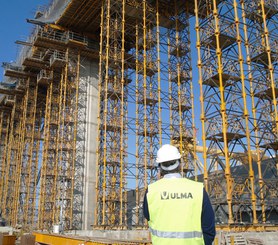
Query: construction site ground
117	237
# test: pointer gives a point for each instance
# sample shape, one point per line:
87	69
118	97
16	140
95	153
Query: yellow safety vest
175	207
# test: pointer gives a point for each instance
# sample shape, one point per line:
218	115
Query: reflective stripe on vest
174	234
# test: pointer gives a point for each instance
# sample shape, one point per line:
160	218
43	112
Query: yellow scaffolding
146	97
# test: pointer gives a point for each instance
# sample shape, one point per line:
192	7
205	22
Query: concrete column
89	73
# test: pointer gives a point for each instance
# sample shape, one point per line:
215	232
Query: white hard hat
168	153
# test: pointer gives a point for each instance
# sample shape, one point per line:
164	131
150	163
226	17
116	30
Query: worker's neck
172	175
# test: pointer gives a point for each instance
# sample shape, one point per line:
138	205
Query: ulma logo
164	195
175	195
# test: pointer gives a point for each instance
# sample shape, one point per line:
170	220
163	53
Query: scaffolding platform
50	39
203	10
150	69
179	50
17	73
58	59
9	91
183	108
230	136
183	77
34	63
262	58
66	148
76	43
148	101
44	77
271	145
172	24
113	128
148	133
184	138
53	122
227	79
267	94
270	11
113	95
112	80
113	163
224	41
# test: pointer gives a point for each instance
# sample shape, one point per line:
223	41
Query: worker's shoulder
195	184
193	181
180	180
155	183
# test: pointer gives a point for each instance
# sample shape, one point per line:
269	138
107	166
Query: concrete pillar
89	75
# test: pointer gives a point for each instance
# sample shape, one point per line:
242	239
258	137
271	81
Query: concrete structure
89	77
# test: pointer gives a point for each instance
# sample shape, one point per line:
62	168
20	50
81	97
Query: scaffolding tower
40	151
233	63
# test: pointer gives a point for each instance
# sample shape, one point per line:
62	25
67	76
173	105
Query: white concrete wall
89	73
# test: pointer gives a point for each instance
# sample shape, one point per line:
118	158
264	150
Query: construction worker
178	210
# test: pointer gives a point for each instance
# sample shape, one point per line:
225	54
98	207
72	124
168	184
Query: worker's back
175	207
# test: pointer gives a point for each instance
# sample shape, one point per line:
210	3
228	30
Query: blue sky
13	26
